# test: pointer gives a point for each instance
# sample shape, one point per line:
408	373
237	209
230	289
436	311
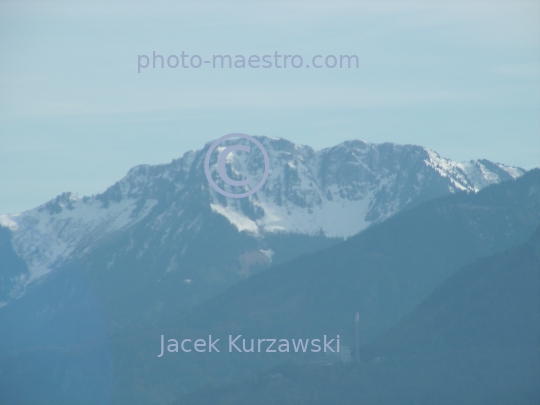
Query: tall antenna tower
357	336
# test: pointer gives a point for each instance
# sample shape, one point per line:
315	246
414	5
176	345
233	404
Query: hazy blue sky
460	77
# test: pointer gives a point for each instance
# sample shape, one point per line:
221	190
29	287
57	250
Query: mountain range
474	340
160	220
89	284
384	273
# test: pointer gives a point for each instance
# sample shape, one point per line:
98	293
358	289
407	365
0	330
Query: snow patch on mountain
45	236
241	222
335	192
7	221
338	218
340	191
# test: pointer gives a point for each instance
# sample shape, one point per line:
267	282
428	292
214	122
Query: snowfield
336	192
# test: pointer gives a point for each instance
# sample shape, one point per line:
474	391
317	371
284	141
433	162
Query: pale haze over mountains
154	212
88	285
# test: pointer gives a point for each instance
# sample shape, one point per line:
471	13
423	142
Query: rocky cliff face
165	223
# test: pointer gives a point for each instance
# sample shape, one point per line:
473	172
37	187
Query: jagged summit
334	192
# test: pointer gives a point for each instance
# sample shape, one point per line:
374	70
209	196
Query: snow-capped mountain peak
334	192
